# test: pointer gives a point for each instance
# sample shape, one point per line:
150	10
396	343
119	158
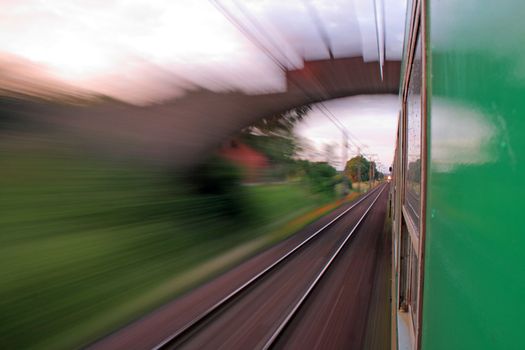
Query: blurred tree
321	176
281	124
221	179
329	152
306	149
274	137
279	149
358	169
414	171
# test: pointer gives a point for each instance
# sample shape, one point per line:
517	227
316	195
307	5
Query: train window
413	139
408	275
407	229
404	262
414	276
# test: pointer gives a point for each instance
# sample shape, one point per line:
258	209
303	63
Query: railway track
256	314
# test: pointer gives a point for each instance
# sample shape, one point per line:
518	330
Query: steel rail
211	310
298	305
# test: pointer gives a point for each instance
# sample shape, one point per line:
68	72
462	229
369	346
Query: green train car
458	194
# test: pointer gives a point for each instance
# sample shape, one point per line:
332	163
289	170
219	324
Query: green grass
362	186
87	246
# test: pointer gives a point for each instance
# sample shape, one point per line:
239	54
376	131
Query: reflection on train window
414	275
408	275
404	261
413	140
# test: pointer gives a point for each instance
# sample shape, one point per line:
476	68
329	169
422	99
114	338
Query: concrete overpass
183	130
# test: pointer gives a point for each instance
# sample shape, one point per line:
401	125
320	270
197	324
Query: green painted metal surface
474	291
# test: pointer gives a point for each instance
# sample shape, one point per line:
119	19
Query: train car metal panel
459	271
475	266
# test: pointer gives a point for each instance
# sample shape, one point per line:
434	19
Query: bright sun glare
79	43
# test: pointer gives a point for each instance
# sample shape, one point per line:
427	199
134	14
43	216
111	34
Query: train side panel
474	280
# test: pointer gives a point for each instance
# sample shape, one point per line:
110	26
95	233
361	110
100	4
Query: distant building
252	162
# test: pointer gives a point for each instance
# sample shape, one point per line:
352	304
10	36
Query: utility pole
370	174
359	168
371	169
345	149
344	160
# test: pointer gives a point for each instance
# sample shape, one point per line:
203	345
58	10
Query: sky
148	49
143	51
371	120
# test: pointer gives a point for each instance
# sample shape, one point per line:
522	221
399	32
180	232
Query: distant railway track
183	336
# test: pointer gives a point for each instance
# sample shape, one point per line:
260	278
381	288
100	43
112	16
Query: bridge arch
183	130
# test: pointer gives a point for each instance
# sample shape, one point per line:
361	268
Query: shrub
221	180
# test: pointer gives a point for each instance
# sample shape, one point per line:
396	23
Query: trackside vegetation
87	245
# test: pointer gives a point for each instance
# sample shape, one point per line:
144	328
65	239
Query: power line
320	27
253	39
341	126
262	32
327	113
259	27
380	37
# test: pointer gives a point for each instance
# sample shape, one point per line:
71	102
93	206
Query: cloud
371	119
86	43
